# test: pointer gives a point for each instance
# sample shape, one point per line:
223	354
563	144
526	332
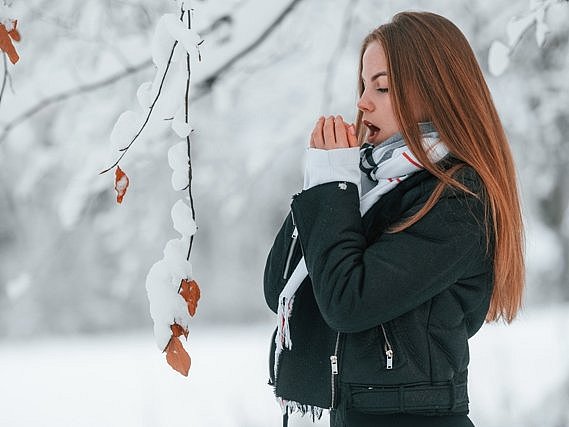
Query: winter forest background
76	344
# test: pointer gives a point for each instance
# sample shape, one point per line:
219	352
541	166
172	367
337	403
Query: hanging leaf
121	183
177	357
6	37
178	330
190	291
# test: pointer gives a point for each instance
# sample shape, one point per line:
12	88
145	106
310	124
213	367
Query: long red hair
434	76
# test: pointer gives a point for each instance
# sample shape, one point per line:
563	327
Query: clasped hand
333	132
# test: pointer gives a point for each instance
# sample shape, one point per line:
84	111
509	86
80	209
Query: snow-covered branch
172	291
229	54
79	90
499	53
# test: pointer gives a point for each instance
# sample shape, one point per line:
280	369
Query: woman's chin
377	139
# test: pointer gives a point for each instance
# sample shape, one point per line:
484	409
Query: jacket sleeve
273	281
359	286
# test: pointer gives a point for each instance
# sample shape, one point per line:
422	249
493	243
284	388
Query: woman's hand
332	132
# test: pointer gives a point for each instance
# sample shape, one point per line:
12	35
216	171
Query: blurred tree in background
71	260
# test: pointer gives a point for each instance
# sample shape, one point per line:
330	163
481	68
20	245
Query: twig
190	169
5	75
256	43
202	87
188	142
125	149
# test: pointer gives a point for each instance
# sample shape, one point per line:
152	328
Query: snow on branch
173	293
229	53
8	35
499	53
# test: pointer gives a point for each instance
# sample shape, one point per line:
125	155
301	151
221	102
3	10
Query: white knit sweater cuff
339	164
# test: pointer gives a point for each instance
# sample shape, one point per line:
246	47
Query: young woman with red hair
406	237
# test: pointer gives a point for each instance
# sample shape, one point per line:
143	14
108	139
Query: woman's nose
364	105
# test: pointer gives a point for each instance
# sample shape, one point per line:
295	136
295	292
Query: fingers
329	134
340	132
333	132
317	139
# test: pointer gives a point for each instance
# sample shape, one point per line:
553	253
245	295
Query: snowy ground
517	374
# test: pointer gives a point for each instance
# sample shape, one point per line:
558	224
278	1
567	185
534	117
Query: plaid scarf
382	161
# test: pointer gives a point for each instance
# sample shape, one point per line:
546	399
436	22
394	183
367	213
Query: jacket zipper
294	238
334	366
388	350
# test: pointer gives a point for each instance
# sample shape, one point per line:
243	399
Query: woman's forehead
374	62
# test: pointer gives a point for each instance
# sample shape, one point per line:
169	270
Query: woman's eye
382	90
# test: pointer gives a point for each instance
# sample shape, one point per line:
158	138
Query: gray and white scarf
383	167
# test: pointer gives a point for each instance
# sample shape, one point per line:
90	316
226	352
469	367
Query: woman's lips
373	130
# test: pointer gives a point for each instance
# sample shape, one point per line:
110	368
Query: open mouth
373	130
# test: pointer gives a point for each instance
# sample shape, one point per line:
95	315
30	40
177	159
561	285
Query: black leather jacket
382	322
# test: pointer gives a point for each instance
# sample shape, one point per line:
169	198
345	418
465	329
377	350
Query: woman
406	237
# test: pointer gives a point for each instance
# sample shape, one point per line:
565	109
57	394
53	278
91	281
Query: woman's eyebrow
375	76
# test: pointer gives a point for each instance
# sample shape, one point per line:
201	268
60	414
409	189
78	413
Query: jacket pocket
392	356
378	398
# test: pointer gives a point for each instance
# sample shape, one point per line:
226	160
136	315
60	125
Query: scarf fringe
290	406
282	337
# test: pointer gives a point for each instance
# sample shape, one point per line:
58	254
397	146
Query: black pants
359	419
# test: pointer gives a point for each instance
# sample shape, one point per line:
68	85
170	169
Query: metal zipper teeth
334	366
290	251
388	350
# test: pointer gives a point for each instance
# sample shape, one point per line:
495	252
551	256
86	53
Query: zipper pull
388	350
334	364
389	355
295	232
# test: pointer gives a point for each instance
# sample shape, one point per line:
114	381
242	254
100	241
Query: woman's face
375	102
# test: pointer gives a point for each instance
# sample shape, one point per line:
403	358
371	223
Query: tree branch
255	44
204	87
188	142
5	75
69	94
125	149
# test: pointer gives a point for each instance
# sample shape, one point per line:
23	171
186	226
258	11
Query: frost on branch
179	124
498	58
172	292
175	256
178	160
144	95
498	55
166	305
127	126
170	29
182	219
